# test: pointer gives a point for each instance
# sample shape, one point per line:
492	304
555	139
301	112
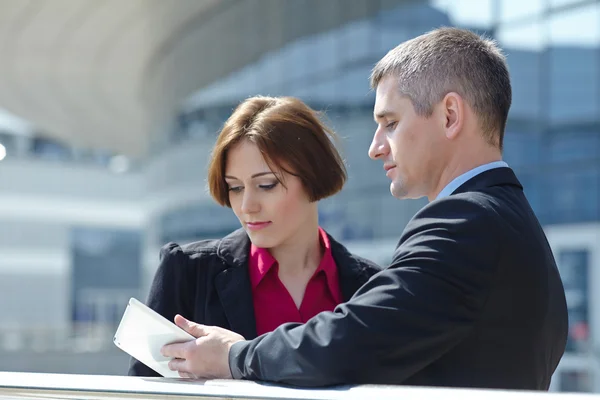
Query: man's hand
206	357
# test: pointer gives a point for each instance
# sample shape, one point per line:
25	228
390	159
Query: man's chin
398	190
402	192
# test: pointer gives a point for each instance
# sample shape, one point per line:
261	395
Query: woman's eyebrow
253	176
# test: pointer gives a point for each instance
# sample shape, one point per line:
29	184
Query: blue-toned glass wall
552	137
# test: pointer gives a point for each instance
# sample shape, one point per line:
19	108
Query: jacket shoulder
346	259
473	210
173	252
463	219
369	267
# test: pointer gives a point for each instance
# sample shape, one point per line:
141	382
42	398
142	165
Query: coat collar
235	291
351	270
493	177
233	283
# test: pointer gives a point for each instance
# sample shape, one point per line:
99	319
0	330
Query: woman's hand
207	357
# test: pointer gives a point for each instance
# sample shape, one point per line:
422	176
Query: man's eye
391	125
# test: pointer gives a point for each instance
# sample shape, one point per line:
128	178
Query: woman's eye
391	125
235	189
268	187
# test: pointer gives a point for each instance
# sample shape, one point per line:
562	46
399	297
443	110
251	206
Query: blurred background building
111	109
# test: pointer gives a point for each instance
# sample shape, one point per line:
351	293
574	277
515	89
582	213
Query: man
472	297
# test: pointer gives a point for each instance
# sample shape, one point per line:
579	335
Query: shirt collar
261	262
459	180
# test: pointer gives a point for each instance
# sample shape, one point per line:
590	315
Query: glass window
511	10
572	147
50	149
571	195
527	83
356	41
242	83
413	14
560	3
528	36
521	148
467	13
197	222
391	36
325	91
270	71
531	187
523	46
406	21
574	64
298	59
105	273
574	271
324	52
354	85
579	26
576	381
574	79
9	143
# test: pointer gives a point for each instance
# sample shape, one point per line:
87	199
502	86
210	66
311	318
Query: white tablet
143	332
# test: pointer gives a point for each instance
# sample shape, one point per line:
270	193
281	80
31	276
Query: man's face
406	142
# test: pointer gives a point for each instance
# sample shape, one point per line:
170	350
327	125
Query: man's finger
194	329
174	350
188	375
179	365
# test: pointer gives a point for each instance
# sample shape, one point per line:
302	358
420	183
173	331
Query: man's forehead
387	103
381	101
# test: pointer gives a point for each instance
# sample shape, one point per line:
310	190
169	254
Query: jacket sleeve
403	319
171	293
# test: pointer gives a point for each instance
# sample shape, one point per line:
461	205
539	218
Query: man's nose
378	146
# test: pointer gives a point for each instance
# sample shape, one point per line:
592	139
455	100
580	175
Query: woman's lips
256	226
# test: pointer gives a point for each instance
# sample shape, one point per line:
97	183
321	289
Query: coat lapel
235	291
352	274
233	284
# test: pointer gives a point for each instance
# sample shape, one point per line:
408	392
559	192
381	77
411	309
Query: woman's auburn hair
291	138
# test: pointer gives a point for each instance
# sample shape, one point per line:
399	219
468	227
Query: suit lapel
233	284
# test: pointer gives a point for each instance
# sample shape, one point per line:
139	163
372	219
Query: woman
272	162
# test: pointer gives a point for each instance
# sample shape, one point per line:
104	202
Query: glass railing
78	337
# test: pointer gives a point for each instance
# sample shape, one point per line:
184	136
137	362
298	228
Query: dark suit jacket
208	282
472	298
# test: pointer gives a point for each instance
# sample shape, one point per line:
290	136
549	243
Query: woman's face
270	213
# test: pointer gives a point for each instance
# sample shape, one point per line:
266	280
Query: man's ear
453	109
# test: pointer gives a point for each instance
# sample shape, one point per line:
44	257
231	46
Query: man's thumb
194	329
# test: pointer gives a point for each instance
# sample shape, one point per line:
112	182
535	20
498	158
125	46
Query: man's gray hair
452	60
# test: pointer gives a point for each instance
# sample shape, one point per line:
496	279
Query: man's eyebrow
253	176
383	114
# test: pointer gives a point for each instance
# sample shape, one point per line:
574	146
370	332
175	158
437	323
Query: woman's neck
302	253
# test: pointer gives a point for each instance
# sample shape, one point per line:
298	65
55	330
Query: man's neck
461	165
